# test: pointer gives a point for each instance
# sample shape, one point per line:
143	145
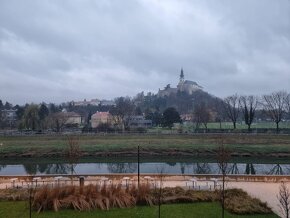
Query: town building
94	102
139	121
101	118
69	118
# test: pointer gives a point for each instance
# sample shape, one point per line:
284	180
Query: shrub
114	196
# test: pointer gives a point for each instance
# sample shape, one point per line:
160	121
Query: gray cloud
57	51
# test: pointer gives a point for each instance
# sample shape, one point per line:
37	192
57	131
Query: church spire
181	75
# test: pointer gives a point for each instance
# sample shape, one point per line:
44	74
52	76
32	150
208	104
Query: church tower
181	80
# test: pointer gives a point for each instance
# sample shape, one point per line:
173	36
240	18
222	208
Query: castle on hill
186	86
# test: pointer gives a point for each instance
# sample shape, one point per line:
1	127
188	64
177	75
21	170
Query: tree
223	157
220	112
53	108
89	118
43	111
287	105
201	115
43	114
31	117
19	111
155	116
274	105
7	105
284	199
1	119
1	104
232	108
160	172
72	153
170	116
138	111
122	111
249	105
57	121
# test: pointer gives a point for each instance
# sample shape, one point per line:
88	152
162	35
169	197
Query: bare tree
249	105
274	105
122	111
287	105
72	153
284	199
232	108
223	157
160	171
220	112
57	121
201	115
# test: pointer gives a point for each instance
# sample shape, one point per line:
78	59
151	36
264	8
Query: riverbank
199	145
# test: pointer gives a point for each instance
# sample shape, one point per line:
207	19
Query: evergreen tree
170	116
43	112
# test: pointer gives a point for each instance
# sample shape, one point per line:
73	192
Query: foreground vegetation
161	145
202	210
74	201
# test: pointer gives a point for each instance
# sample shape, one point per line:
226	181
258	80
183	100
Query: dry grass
114	196
90	197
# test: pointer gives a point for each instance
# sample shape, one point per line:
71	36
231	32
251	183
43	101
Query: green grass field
198	210
93	145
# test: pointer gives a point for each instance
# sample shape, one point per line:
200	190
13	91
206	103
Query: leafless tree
223	157
232	108
284	199
274	105
220	112
287	105
249	105
201	115
161	172
122	111
72	153
57	121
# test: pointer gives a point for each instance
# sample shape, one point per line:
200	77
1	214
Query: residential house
101	118
139	121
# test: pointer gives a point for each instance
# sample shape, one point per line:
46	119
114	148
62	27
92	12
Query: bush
239	202
112	196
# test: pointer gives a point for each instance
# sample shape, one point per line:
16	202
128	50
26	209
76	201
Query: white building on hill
186	86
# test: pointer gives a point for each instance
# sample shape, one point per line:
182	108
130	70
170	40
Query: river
171	166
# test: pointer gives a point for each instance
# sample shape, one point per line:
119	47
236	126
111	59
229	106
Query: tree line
203	110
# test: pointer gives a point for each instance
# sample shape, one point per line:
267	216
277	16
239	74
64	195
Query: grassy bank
166	145
202	210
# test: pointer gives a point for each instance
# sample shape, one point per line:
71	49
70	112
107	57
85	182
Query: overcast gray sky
61	50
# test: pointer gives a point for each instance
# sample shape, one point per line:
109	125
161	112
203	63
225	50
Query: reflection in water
182	167
42	167
202	168
234	169
250	170
57	168
177	167
2	166
30	169
33	169
171	163
276	170
122	167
